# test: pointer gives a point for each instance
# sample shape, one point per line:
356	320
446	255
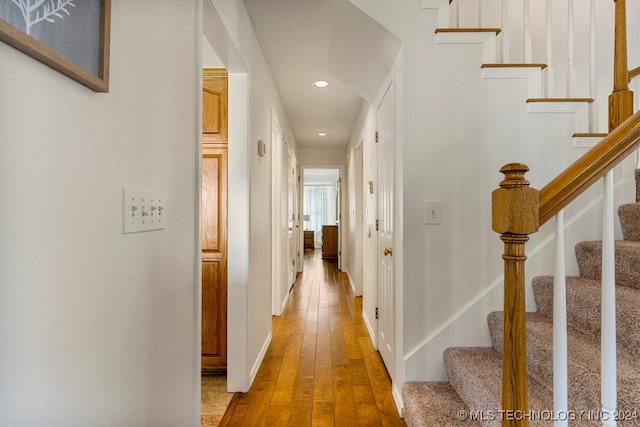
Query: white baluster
505	31
608	333
571	71
527	33
550	82
560	375
593	111
479	13
458	23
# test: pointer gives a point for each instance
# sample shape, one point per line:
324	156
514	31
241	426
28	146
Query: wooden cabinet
309	240
329	241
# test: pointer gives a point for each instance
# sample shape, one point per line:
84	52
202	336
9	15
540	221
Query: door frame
341	228
395	78
210	25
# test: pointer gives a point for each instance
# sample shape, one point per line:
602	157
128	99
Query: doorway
322	211
216	53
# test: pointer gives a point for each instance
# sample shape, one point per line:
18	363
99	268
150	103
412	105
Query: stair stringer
423	360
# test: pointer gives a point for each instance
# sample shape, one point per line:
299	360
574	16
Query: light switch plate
432	212
142	211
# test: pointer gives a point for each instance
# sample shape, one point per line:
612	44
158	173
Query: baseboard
397	397
370	329
351	282
284	303
259	359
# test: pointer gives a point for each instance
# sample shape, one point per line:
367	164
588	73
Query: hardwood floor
321	368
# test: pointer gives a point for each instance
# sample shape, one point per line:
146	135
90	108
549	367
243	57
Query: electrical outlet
142	211
432	212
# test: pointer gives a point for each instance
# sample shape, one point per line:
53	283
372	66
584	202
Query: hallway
321	368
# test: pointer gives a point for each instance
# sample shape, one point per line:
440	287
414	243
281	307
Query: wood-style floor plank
321	368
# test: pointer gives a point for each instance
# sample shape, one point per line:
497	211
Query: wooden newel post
515	215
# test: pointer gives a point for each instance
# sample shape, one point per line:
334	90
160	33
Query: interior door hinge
376	225
376	136
376	312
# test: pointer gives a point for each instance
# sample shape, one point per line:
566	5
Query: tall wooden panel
214	222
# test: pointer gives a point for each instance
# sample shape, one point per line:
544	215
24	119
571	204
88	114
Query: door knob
387	251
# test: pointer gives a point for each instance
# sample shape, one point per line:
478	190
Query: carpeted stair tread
583	364
627	253
476	375
428	404
583	310
630	221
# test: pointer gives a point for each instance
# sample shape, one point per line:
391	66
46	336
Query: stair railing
529	32
519	210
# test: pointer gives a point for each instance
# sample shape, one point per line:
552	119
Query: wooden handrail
633	73
592	166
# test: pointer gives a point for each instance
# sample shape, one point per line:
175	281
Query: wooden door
214	220
385	235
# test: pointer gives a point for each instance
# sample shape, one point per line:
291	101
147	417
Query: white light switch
142	211
433	212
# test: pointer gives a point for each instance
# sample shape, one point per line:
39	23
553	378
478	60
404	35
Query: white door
279	248
385	228
293	219
339	216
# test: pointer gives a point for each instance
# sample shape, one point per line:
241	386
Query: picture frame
70	36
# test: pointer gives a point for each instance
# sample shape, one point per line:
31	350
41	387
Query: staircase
474	387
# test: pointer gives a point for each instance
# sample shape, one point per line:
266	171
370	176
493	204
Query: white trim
216	32
197	354
585	141
284	303
260	358
397	397
351	282
532	74
372	333
488	40
341	228
580	109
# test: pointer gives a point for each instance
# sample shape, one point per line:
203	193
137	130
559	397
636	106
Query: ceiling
308	40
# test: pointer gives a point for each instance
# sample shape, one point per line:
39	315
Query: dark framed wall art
70	36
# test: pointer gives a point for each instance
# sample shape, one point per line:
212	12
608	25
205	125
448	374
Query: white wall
97	327
457	130
250	298
322	156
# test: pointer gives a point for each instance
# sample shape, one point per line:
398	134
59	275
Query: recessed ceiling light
322	134
321	84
